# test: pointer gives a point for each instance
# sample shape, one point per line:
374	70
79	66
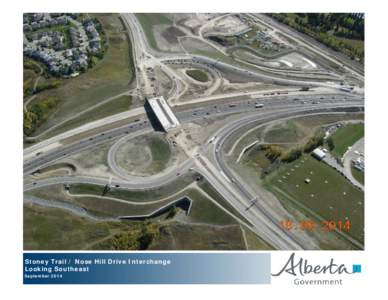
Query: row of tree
329	29
274	152
349	23
277	155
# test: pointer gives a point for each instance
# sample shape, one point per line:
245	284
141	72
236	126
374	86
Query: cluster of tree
27	87
138	237
36	114
47	86
28	83
272	152
315	141
172	212
350	24
330	143
276	153
292	154
31	65
328	28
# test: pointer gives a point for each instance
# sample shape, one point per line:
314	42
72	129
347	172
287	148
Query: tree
312	19
315	141
330	143
273	152
292	155
172	212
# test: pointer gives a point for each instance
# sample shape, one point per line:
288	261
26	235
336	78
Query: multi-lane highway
191	114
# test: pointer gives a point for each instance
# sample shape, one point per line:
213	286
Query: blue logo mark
356	268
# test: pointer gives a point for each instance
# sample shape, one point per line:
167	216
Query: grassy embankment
207	227
345	137
198	75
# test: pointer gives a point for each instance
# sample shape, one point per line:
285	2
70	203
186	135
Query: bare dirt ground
229	24
136	155
163	83
194	45
92	162
195	21
167	38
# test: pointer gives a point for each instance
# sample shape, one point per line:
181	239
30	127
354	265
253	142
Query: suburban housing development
193	131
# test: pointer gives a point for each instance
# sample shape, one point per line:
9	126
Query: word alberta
302	267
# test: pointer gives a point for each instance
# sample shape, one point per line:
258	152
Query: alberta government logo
302	271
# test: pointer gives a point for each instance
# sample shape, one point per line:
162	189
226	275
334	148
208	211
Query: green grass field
254	242
109	208
256	158
288	131
202	210
57	229
207	227
287	134
346	136
208	189
358	175
161	153
329	196
198	75
205	211
113	107
134	195
149	20
110	76
200	237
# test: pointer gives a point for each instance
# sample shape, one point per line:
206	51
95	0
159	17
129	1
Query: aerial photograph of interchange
193	131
